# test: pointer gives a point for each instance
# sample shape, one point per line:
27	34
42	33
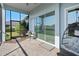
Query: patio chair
31	35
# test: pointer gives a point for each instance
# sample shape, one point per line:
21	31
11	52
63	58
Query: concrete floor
31	47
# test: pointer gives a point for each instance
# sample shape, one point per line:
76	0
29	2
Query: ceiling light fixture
27	4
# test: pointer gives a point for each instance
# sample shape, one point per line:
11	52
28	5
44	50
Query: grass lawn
50	39
47	35
13	35
50	36
7	36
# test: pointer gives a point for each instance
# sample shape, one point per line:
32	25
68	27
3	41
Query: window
15	16
7	24
23	16
72	17
40	28
15	23
70	39
45	27
49	23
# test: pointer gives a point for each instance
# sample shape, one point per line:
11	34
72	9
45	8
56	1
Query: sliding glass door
39	32
15	24
40	28
15	29
45	27
7	25
49	24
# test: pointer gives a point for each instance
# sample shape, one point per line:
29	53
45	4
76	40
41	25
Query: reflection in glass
7	25
40	28
15	24
49	23
69	40
15	29
45	27
15	16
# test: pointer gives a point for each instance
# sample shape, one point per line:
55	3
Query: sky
47	20
51	19
14	15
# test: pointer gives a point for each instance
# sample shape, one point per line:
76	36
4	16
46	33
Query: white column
3	24
57	40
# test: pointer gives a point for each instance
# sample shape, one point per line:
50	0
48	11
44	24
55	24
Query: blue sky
47	21
14	15
51	19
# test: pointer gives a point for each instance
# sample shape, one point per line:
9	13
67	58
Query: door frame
11	27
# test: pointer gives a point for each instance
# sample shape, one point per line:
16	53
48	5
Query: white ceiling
23	6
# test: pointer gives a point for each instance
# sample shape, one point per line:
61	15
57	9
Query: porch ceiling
23	6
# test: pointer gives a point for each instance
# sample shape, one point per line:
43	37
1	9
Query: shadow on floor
14	39
11	51
21	48
17	48
63	52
